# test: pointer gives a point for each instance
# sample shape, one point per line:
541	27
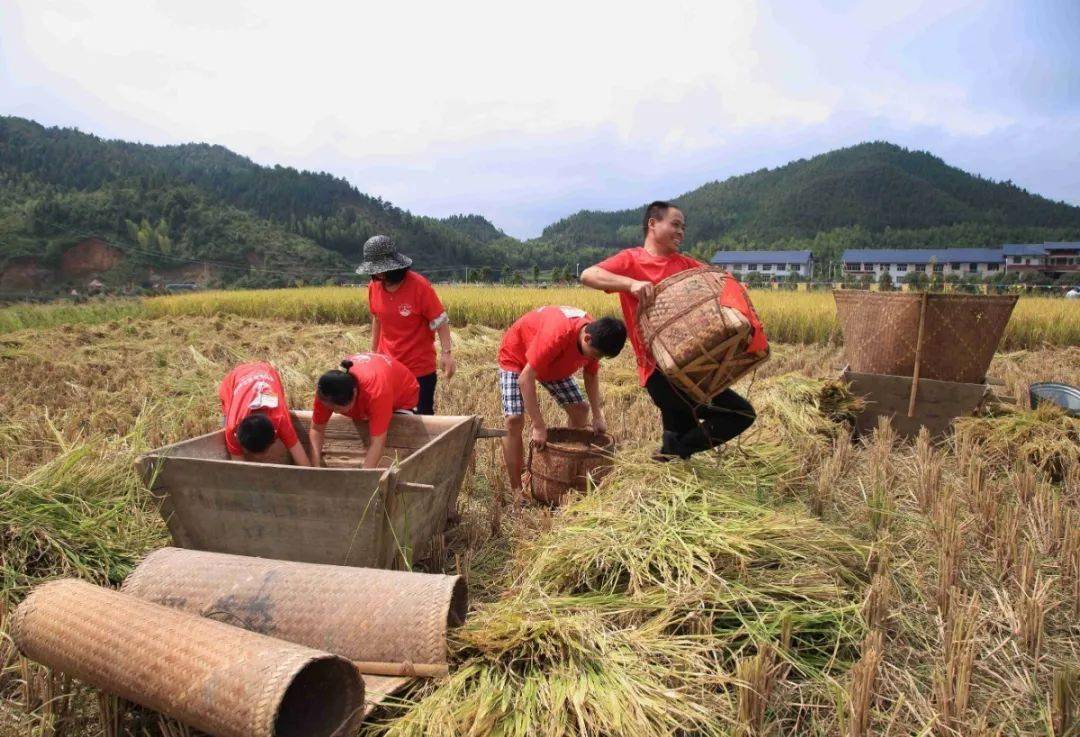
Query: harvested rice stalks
533	665
952	681
630	614
861	691
1046	438
800	411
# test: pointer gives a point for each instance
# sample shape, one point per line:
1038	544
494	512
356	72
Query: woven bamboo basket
961	332
699	329
219	679
566	462
391	623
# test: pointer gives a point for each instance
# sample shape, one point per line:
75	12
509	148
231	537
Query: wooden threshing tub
341	515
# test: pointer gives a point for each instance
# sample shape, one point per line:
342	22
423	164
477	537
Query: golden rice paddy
796	582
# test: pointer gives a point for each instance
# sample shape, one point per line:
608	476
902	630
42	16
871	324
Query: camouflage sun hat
380	255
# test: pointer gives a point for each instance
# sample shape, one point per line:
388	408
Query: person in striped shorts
549	345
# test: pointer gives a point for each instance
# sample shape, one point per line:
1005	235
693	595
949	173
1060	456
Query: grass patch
28	316
83	513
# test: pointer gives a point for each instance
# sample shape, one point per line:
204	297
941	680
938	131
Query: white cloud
503	108
392	77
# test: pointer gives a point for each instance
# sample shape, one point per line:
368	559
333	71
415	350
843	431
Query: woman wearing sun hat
406	314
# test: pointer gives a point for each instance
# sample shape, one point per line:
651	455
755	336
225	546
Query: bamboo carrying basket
566	462
695	333
390	623
960	333
219	679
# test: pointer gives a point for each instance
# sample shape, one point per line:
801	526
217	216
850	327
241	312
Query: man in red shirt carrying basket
689	426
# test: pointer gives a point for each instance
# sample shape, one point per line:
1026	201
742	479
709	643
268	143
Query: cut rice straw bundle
540	666
630	615
804	413
82	513
683	529
1045	437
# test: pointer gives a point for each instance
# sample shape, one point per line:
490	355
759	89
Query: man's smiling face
669	230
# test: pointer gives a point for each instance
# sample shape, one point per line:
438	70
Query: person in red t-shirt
406	314
257	422
689	427
371	387
550	345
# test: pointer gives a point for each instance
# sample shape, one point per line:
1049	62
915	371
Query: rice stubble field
795	582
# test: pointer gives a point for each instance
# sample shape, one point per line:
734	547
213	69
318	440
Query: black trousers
692	427
426	405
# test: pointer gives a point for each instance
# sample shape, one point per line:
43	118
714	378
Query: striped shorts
565	391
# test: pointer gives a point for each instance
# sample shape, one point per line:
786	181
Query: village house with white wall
1050	259
770	264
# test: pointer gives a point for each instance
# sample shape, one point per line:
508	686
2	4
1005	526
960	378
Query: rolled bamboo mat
378	689
219	679
390	623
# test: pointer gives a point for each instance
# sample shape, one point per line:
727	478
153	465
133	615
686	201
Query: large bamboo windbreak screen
219	679
388	622
961	332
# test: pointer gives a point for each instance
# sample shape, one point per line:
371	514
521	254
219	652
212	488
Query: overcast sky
528	114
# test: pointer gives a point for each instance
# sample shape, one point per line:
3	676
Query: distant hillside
166	207
74	207
477	227
869	195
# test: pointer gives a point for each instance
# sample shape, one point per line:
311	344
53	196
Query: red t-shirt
407	320
254	387
637	263
547	340
384	386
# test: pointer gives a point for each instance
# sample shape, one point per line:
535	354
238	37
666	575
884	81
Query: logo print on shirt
405	309
264	398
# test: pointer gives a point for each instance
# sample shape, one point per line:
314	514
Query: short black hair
255	433
336	386
658	210
607	335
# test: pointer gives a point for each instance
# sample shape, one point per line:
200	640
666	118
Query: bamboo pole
918	355
403	670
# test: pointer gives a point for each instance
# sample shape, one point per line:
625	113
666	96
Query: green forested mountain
171	206
196	208
866	196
